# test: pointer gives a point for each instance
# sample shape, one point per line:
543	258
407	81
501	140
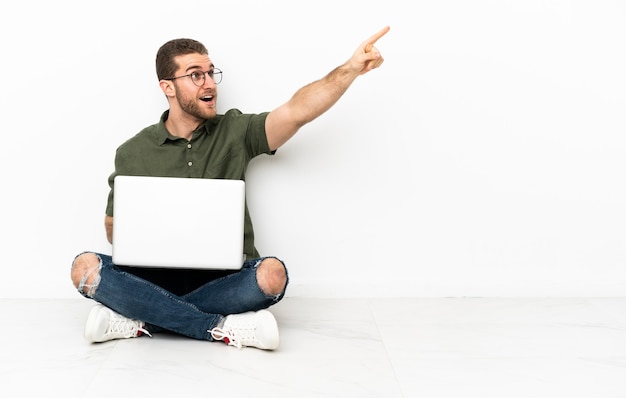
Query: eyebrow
195	67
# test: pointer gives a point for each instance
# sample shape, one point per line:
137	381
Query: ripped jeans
190	314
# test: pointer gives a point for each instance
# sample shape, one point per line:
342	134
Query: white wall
485	158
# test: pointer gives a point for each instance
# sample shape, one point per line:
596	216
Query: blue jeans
191	314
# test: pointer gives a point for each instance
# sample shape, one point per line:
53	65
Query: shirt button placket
189	162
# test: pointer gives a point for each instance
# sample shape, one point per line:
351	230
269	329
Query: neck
180	125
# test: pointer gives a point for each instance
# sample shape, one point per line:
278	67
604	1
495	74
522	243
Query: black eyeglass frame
211	73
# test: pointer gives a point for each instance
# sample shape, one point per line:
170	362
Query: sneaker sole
96	325
267	323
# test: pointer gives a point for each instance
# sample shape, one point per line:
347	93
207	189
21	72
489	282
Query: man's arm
108	226
316	98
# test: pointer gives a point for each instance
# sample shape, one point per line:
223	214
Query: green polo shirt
220	148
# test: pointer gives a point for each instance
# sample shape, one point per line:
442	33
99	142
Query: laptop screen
178	222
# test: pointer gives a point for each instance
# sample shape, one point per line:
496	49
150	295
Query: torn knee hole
272	276
86	273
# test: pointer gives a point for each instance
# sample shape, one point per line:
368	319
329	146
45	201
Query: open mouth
207	98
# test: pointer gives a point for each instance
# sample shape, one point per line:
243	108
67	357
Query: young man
193	140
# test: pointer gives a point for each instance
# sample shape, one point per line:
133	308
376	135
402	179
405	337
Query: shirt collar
163	135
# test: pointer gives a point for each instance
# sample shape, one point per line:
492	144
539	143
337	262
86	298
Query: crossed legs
258	285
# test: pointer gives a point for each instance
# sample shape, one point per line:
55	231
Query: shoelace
120	325
243	335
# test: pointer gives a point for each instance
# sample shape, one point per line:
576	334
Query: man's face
195	97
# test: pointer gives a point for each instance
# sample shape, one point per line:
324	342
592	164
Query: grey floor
431	348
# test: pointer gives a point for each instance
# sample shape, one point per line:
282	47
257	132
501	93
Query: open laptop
192	223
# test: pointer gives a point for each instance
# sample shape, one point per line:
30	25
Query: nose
208	80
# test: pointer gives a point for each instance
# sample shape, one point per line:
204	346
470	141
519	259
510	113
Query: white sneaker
104	324
252	329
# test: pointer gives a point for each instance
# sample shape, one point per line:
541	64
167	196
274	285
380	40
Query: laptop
171	222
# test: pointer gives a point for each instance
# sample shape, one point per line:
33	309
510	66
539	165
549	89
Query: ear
168	88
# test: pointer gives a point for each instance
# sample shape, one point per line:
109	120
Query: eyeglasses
198	77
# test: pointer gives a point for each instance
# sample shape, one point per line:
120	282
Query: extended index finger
369	43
